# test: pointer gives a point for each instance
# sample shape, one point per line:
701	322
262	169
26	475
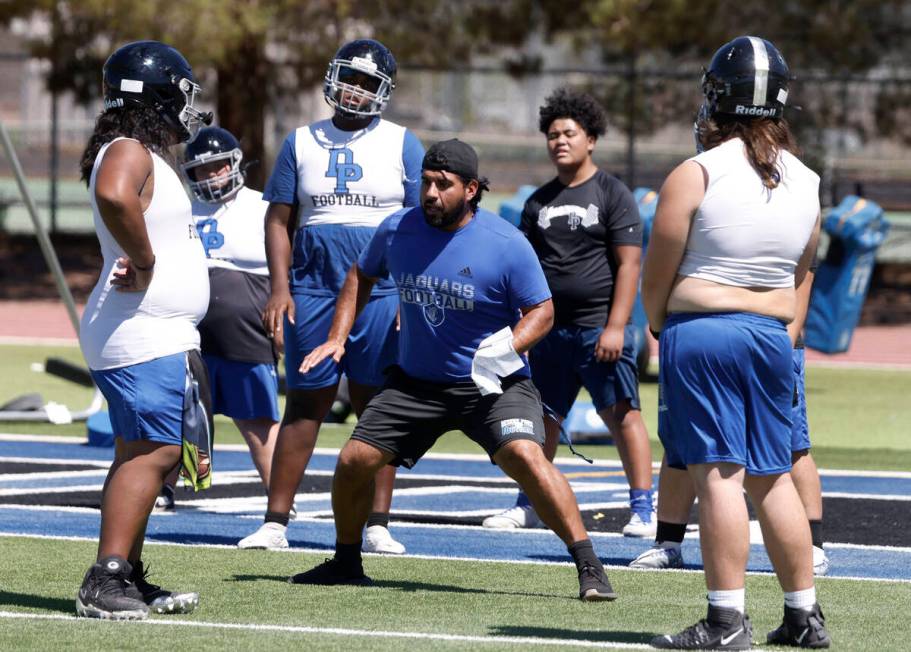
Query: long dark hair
764	139
141	123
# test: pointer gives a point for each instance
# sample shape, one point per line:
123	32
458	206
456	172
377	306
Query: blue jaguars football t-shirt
455	288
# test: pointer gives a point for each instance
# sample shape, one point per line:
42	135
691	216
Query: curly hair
576	105
140	123
483	184
764	138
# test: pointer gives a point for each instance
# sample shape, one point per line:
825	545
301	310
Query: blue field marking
225	521
187	527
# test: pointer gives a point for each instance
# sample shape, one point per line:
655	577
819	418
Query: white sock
667	545
800	599
733	599
272	525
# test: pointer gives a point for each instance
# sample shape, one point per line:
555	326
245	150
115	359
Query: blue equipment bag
857	228
647	200
511	209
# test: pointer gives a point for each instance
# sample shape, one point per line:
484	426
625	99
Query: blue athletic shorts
800	428
726	389
146	400
243	390
564	361
371	347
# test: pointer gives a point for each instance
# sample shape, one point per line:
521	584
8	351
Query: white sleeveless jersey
744	234
233	233
126	328
354	178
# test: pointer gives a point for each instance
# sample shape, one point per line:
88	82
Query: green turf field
437	597
858	417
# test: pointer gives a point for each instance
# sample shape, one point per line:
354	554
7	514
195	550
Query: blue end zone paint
191	525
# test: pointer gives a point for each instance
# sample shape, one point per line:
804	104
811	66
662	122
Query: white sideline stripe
473	560
52	475
100	464
848	473
843	494
338	631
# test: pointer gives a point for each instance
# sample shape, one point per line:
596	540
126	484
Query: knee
521	457
358	462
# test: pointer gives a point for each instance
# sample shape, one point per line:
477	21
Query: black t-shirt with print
572	230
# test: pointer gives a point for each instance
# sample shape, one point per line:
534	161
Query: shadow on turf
414	586
640	638
37	602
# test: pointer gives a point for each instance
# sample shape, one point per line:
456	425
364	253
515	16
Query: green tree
253	52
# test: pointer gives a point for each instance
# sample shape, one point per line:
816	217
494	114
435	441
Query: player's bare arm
278	257
803	284
678	200
123	190
352	298
535	323
626	283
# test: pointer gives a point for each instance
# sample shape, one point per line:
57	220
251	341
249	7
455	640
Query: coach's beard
436	217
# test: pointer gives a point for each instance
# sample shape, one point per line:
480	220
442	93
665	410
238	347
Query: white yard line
339	631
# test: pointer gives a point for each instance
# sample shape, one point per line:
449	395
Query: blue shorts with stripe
370	350
146	400
243	390
564	362
726	389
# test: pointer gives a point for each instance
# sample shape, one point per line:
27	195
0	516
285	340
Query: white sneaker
269	536
639	528
378	539
513	518
820	561
659	556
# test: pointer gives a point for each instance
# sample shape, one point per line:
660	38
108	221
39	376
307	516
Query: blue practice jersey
455	288
343	183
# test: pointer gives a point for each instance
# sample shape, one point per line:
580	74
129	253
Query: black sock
167	490
276	517
816	532
583	553
348	554
670	532
378	518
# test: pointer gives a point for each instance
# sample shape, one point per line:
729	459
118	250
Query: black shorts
408	415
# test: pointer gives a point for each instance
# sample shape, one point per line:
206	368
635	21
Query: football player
335	180
138	332
240	358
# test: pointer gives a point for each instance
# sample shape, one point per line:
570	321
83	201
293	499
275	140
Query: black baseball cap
452	156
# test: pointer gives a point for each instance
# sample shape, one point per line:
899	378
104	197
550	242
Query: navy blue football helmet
149	73
360	78
213	145
747	77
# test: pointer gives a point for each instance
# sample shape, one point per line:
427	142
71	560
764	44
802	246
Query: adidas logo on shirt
465	271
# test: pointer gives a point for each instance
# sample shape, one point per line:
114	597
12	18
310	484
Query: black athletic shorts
408	415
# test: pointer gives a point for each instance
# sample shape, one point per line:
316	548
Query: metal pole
55	127
46	248
55	160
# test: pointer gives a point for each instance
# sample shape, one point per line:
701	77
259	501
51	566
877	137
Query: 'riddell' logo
740	109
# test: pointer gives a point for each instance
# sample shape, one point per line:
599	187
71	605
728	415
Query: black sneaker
158	599
103	593
594	585
721	629
801	628
332	572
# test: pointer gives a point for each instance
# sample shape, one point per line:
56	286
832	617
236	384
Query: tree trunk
242	97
